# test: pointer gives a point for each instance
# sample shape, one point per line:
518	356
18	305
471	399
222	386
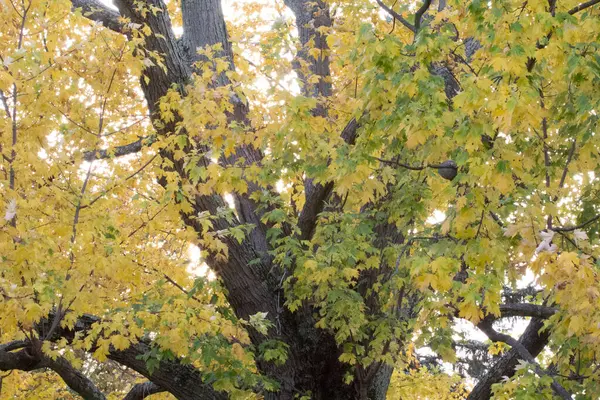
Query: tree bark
313	365
533	340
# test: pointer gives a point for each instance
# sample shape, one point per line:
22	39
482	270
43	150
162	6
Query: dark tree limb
142	390
526	310
181	380
523	352
419	14
119	151
583	6
317	195
75	379
23	360
31	359
97	11
310	16
534	339
575	227
396	16
14	345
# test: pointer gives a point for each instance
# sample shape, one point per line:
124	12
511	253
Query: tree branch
30	359
142	390
583	6
14	345
419	14
181	380
397	16
486	327
526	310
118	151
22	360
97	11
75	379
534	339
317	195
566	168
575	227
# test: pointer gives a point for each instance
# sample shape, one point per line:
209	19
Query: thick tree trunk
313	368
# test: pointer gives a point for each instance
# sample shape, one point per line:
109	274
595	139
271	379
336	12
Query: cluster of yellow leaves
102	237
39	385
422	384
92	235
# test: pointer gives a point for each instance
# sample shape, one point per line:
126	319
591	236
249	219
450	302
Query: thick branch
14	345
27	359
97	11
181	380
75	379
118	151
524	353
534	339
526	310
310	16
143	390
317	195
22	360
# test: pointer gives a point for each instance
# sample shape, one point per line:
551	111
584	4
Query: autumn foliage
386	198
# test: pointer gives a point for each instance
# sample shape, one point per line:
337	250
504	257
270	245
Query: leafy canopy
508	90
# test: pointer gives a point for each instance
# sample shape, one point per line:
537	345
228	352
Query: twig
566	169
575	227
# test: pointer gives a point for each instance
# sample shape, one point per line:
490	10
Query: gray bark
142	390
532	339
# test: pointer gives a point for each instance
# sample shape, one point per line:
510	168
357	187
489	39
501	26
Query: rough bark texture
533	340
182	381
30	358
142	390
97	11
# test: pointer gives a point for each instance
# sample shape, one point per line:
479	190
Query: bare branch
118	151
419	14
526	310
575	227
181	380
397	16
14	345
22	360
566	168
30	359
534	339
583	6
97	11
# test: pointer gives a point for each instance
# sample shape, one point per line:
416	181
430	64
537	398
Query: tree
362	178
